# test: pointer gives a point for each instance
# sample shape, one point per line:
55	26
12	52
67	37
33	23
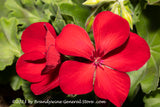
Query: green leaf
58	22
66	10
137	12
16	83
9	44
139	7
153	99
135	77
79	2
58	25
3	9
152	2
79	13
27	92
149	28
18	103
27	11
57	1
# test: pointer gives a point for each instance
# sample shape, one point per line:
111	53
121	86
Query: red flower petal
76	77
33	56
110	32
74	41
28	70
50	29
33	38
50	81
50	39
112	85
131	56
52	59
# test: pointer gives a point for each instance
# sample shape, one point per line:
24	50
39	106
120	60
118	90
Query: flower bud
116	8
95	2
89	23
126	14
91	2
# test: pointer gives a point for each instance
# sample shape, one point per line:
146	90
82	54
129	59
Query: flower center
98	61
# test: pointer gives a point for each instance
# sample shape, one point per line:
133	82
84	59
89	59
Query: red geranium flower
40	60
117	51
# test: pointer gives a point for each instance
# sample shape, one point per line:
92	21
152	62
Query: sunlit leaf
9	44
153	99
3	9
91	2
27	11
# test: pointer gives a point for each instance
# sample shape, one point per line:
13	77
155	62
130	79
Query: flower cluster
100	67
40	62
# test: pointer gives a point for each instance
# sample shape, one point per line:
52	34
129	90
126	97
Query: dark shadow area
7	95
87	100
137	102
152	13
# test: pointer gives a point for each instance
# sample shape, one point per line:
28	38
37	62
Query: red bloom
117	50
40	61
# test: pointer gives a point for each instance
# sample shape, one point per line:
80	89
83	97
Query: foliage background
15	15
